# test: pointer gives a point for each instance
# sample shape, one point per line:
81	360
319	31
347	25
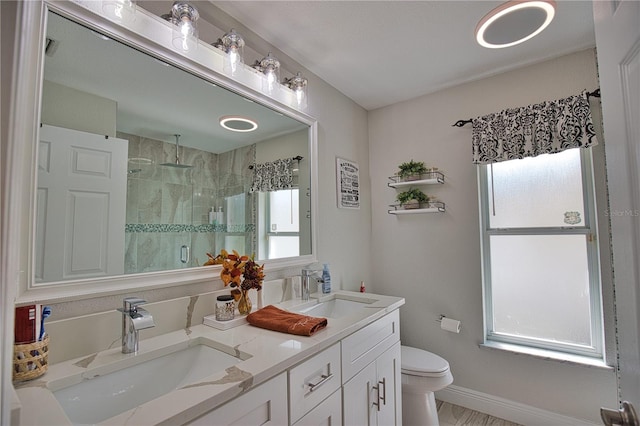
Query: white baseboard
506	409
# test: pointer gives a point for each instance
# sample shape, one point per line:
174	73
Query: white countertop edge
272	353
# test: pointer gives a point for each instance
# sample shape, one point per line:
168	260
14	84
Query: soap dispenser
212	217
326	279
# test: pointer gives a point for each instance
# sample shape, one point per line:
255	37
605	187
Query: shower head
177	163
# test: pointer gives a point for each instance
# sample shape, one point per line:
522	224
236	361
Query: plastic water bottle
326	279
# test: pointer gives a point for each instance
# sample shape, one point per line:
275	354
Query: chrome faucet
307	276
134	319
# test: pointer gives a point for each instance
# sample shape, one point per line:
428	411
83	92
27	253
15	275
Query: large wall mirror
137	175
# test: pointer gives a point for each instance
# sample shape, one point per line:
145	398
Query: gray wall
434	260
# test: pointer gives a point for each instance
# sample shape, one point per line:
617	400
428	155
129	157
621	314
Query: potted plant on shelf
411	170
412	198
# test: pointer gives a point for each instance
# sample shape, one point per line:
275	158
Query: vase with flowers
242	274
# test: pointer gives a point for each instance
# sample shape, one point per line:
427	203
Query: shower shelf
430	207
430	178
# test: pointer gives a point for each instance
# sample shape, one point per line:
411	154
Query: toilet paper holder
449	324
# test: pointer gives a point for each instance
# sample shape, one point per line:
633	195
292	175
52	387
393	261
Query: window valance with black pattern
545	128
273	175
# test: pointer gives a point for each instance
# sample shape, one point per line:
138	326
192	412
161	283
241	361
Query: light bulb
234	60
301	99
271	79
121	10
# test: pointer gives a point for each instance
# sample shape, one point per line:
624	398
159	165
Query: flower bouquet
241	273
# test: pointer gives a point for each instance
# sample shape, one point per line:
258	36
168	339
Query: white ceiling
382	52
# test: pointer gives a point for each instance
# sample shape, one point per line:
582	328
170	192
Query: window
282	224
540	255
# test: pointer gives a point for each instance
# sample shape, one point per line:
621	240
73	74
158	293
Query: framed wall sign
348	182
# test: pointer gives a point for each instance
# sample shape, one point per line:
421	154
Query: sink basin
335	308
99	398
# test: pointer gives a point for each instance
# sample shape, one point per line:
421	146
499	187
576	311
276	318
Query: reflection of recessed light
514	22
161	62
101	36
236	123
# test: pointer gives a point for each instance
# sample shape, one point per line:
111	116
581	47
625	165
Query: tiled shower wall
167	207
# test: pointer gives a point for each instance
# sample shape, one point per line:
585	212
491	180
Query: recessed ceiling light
514	22
237	123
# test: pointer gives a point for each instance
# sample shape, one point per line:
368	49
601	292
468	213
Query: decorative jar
225	308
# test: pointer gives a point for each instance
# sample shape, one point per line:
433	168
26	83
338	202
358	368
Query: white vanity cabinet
355	382
264	405
371	367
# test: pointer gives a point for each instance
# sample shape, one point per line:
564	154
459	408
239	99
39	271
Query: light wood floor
453	415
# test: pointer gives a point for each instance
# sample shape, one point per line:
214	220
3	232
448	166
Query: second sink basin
335	308
99	398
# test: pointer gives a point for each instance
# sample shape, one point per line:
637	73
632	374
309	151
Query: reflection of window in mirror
283	226
236	220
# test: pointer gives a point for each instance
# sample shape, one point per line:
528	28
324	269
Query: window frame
267	222
588	228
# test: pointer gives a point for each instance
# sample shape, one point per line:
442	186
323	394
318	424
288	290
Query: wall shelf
430	207
430	178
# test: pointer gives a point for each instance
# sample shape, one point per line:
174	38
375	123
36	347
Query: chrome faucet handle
129	304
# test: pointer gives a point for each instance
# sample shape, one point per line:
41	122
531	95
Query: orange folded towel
273	318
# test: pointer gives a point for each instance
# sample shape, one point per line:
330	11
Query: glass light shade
120	10
233	45
185	32
270	67
299	86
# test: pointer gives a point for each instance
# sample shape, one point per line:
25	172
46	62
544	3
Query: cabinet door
328	413
389	372
358	396
264	405
365	345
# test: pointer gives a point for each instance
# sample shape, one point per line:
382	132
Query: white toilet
423	373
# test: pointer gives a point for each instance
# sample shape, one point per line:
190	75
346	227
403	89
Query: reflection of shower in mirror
177	162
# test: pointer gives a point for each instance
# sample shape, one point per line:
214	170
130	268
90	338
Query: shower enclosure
168	224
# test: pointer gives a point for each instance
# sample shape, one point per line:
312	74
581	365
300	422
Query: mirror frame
151	35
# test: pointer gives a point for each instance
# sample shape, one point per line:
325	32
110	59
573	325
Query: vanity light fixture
237	123
232	44
120	10
298	84
514	22
270	67
185	32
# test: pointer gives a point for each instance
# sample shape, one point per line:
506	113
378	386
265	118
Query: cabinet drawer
263	405
313	381
329	412
365	345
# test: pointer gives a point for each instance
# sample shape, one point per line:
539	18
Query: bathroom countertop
270	353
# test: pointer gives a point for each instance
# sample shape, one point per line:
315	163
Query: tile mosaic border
171	227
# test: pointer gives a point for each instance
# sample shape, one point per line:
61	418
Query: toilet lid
422	363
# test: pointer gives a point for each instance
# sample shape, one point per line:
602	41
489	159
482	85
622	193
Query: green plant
412	194
412	168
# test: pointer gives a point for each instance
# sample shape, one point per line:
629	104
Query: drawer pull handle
323	379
